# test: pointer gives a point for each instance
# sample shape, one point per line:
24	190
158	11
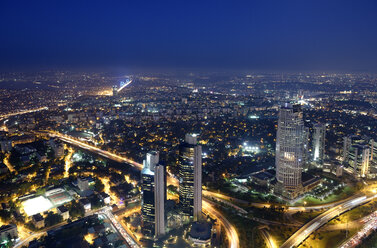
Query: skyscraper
159	199
348	142
319	135
359	158
153	178
289	159
190	178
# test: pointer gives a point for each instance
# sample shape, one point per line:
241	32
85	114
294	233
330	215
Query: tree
5	215
50	154
76	210
53	219
98	186
96	203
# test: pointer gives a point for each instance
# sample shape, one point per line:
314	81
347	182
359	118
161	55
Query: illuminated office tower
160	198
190	178
348	142
359	158
289	159
319	136
153	178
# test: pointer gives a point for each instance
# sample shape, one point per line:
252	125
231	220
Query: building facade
319	136
359	155
190	178
358	159
8	231
153	196
290	148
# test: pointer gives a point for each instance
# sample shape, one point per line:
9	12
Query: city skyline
212	124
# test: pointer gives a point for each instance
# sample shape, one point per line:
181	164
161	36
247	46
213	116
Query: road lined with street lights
207	207
131	242
370	225
229	228
23	112
304	232
268	239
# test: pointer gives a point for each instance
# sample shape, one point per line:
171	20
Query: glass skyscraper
290	142
153	177
190	178
319	136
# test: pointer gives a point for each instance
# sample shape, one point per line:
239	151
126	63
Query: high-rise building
160	199
348	142
358	159
153	186
190	178
319	135
306	154
373	152
289	159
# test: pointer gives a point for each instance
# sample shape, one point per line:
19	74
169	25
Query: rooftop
201	230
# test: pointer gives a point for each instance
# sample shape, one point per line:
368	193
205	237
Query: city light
36	205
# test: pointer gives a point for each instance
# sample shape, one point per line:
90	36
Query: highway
304	232
96	150
130	241
302	208
216	197
207	207
230	231
229	201
22	112
370	225
267	238
25	242
125	85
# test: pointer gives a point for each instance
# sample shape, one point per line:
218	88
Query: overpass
305	231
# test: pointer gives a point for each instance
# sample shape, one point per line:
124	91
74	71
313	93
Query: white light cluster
36	205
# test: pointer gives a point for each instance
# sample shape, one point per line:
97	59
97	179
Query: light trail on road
125	85
370	226
304	232
131	242
230	231
23	112
267	237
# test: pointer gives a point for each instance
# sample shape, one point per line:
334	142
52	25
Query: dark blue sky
337	35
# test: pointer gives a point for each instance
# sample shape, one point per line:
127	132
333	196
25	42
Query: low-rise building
83	183
8	231
63	211
200	234
86	204
263	178
38	221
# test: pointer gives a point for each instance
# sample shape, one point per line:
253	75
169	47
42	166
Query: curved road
304	232
231	232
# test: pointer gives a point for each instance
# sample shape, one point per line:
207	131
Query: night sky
252	35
